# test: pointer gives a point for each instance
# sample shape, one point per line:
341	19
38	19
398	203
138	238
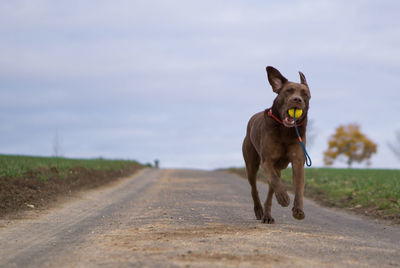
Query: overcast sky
178	80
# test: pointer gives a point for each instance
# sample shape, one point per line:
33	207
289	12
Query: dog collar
269	113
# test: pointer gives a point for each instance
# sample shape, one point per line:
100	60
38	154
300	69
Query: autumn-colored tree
349	143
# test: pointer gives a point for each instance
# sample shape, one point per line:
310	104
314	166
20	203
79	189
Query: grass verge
374	192
28	182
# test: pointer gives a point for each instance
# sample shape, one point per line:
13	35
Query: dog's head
290	95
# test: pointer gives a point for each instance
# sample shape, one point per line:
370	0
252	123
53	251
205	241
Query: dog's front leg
298	183
274	181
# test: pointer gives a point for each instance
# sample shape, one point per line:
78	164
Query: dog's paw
268	219
259	212
298	213
283	198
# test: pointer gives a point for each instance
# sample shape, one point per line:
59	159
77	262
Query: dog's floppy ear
303	78
276	79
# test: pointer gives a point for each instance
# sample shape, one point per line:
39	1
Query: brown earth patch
191	245
32	191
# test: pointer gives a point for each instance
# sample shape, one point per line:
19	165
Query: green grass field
28	182
374	191
15	166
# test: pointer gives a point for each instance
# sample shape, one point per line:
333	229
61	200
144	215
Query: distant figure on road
156	163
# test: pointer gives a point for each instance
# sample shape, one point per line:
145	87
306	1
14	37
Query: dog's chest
275	149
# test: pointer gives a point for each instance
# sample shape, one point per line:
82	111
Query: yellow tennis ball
299	112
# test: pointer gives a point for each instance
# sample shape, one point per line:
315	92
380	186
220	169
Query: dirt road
175	218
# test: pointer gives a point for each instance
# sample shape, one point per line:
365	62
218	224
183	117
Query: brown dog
272	142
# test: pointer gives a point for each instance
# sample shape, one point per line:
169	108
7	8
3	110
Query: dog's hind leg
252	161
267	206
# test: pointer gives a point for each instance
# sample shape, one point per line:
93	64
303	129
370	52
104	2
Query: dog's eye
304	93
290	90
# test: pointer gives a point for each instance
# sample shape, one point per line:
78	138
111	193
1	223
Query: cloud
182	78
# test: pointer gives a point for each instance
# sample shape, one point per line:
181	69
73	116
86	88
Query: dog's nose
297	100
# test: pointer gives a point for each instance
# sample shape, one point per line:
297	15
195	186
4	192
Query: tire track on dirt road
176	218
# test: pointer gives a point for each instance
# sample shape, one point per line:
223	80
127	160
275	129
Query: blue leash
308	158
